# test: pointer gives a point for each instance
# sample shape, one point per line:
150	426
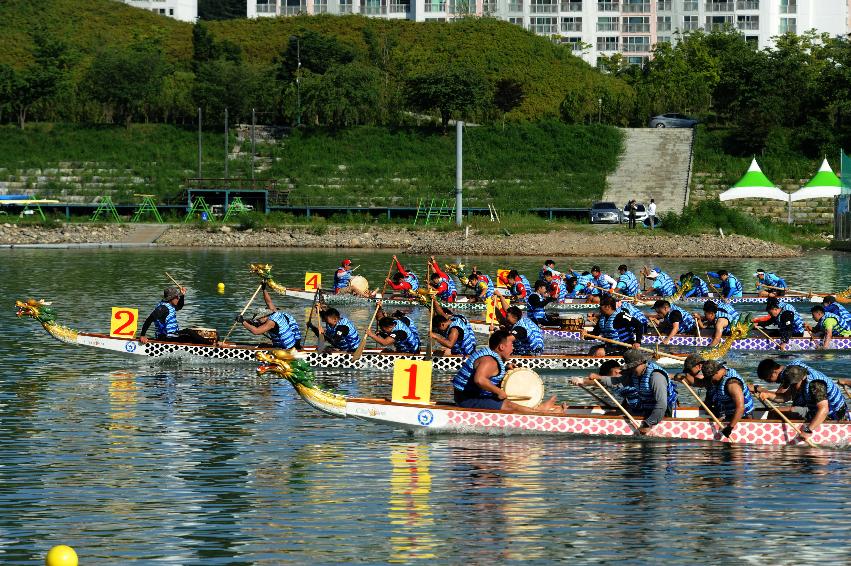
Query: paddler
555	286
477	383
281	327
730	287
720	317
646	388
518	285
164	316
807	388
727	393
699	288
600	280
616	324
627	283
442	283
777	284
396	335
830	305
663	285
528	338
403	280
672	320
453	332
340	332
537	303
481	284
828	325
342	277
785	317
549	265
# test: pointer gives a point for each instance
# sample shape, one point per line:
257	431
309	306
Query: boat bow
287	364
43	313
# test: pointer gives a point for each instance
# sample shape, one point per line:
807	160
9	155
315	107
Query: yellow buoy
61	555
220	287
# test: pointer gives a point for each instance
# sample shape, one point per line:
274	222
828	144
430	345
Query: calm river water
127	461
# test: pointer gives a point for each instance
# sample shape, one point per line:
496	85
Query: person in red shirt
403	280
442	283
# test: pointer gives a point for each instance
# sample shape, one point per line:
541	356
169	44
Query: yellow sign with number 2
123	322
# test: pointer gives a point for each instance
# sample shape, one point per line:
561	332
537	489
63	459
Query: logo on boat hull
425	417
130	347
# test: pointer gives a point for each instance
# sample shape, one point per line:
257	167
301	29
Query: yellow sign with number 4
123	323
312	281
411	382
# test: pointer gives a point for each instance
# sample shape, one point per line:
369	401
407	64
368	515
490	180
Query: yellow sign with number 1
411	382
123	323
312	281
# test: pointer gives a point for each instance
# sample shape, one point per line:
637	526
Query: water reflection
410	510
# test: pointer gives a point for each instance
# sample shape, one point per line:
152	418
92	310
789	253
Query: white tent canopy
825	184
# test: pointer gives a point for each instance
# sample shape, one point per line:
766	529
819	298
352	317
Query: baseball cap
691	361
171	293
633	358
653	274
347	262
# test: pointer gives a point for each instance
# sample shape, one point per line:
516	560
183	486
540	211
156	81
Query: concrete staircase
656	163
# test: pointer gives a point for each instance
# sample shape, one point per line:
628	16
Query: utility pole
227	149
199	142
297	78
253	140
459	169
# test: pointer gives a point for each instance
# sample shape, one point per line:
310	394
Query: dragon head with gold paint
737	332
39	310
288	364
454	268
264	271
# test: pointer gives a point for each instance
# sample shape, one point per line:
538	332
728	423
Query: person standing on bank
631	211
651	214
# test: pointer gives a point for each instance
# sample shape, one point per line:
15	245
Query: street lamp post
600	111
297	78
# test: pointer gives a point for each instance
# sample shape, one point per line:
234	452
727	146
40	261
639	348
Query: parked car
672	120
640	213
605	213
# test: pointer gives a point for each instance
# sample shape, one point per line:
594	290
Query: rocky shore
571	243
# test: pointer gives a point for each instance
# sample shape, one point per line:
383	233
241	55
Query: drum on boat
201	335
359	284
523	382
571	322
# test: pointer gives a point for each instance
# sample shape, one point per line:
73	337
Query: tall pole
459	169
298	80
227	149
253	140
199	142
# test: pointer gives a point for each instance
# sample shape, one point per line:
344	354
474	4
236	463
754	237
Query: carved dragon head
737	332
685	287
844	296
39	310
264	272
287	364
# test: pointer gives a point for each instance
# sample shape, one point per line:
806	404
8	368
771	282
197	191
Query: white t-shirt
652	209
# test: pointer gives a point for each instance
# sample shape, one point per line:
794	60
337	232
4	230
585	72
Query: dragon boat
581	421
371	359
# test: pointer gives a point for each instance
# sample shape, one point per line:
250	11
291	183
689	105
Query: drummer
340	333
453	331
645	386
164	316
477	383
342	277
280	326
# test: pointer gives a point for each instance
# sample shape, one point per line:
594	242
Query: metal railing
607	46
690	5
608	26
293	10
636	8
748	25
543	29
664	6
747	4
636	28
266	9
663	26
373	10
571	6
636	48
320	8
435	7
400	8
543	8
720	6
608	6
571	26
515	6
345	8
691	26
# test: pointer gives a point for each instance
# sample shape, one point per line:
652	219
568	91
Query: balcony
435	7
515	6
399	8
293	10
720	6
636	8
320	8
608	26
373	10
571	6
266	9
571	26
663	26
543	29
607	46
608	6
345	9
690	5
636	48
748	26
543	8
690	26
747	5
636	28
664	6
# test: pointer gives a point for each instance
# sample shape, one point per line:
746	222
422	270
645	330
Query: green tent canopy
754	184
825	184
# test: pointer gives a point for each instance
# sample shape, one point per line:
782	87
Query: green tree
508	94
7	81
316	52
346	95
43	78
453	90
221	9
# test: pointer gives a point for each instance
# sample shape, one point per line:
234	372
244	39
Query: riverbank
580	242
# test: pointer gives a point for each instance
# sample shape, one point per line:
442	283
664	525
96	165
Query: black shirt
159	314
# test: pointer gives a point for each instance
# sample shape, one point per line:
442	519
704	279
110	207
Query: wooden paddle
624	297
643	349
602	401
764	333
359	352
248	304
793	291
774	408
618	405
430	347
392	263
709	412
179	286
310	317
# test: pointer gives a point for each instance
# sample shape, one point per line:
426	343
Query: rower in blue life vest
481	284
806	387
453	332
828	325
830	305
627	283
281	327
403	280
720	317
338	331
727	392
769	284
783	315
528	337
730	287
663	285
699	288
549	265
555	286
616	324
518	285
342	277
477	385
601	283
442	283
673	320
536	305
397	334
646	388
164	316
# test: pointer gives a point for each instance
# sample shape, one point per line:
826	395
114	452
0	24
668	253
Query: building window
636	24
664	6
747	5
690	5
542	7
720	6
718	22
515	6
542	26
788	6
788	25
635	7
571	24
752	39
575	43
516	21
747	22
571	6
267	7
608	23
690	23
607	44
607	6
663	39
636	44
346	7
663	23
171	11
640	61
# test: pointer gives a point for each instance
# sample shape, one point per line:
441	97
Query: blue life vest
167	328
348	343
342	281
840	311
413	326
463	379
562	288
536	313
639	395
687	325
835	399
450	289
581	289
723	404
628	284
599	282
798	322
467	344
515	291
608	330
664	285
838	327
287	333
412	280
534	341
731	288
411	343
728	312
699	288
488	292
772	280
636	313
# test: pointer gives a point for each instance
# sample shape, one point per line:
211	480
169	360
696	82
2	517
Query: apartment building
184	10
599	27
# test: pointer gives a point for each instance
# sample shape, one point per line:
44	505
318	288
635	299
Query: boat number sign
123	322
312	281
411	382
490	310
